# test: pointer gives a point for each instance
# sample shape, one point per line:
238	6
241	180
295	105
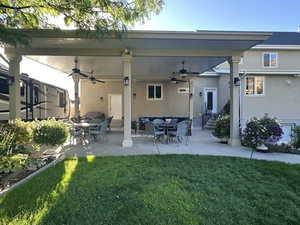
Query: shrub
260	131
7	137
222	129
10	164
296	139
50	132
23	131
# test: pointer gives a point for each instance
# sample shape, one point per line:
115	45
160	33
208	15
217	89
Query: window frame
155	85
263	59
255	94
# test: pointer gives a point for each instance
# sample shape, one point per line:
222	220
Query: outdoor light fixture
237	81
126	81
134	95
200	94
101	98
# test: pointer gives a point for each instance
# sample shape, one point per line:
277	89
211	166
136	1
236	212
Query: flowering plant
261	131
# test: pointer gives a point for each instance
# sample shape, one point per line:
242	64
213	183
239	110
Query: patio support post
76	90
14	85
234	102
191	100
127	58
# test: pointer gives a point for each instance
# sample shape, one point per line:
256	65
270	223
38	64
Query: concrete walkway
201	143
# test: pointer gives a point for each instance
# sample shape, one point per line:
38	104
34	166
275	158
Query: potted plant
222	128
259	132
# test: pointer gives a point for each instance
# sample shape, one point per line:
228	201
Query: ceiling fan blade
71	74
82	74
100	81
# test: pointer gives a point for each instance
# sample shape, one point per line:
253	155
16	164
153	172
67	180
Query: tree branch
20	7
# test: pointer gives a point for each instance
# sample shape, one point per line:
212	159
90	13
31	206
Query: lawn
170	189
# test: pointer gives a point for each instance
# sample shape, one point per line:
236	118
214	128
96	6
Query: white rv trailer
38	100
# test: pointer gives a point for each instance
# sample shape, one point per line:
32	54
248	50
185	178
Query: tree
103	16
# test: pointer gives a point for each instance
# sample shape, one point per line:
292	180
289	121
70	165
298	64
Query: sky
191	15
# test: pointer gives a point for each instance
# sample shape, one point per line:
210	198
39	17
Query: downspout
241	98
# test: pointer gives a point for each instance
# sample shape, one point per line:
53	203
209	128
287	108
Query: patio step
211	124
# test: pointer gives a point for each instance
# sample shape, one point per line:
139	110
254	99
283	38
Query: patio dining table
84	126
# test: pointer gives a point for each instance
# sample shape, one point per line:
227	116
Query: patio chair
94	131
180	133
109	119
153	130
75	134
103	128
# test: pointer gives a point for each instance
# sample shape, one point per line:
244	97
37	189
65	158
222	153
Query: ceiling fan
91	77
174	80
184	72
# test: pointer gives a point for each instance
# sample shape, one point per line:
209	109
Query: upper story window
254	85
154	91
270	59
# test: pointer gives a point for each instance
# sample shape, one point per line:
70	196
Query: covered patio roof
156	54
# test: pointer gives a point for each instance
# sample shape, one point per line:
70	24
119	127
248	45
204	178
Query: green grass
170	189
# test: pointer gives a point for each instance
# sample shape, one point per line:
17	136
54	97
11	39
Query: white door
115	106
211	99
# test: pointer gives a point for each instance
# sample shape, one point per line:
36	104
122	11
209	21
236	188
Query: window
154	92
4	89
22	88
270	59
36	95
254	86
61	99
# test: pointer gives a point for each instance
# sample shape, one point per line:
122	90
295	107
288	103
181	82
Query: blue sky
261	15
190	15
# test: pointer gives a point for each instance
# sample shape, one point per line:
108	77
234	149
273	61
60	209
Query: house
146	73
270	79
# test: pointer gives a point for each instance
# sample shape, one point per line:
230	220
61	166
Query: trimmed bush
296	139
22	130
222	129
50	132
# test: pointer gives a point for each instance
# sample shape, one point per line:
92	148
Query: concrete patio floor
201	143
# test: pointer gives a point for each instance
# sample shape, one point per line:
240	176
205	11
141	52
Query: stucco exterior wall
281	99
172	104
288	60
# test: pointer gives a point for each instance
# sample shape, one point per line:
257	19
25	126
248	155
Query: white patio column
76	96
127	58
234	102
14	87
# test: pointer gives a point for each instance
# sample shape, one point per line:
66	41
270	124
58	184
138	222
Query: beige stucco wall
281	99
288	60
172	104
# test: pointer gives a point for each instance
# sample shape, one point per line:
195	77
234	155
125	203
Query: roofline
263	72
279	47
200	34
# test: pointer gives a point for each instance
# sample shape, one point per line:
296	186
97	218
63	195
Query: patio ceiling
156	54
